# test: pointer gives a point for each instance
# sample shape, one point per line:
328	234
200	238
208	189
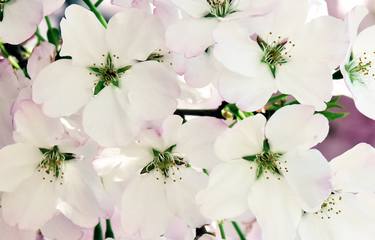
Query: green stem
98	15
221	228
238	230
48	21
39	37
98	233
108	230
98	3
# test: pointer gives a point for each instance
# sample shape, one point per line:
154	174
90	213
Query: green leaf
108	230
53	36
98	233
331	116
123	69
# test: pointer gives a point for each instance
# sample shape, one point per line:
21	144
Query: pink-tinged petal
245	138
21	19
195	8
18	162
131	42
279	218
78	201
9	89
32	126
84	36
41	56
166	11
8	232
49	6
352	171
105	119
31	204
152	90
196	140
227	191
353	20
309	176
198	36
59	227
170	130
140	4
312	128
63	88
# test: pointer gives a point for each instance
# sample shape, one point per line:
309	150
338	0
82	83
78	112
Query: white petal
152	90
181	196
235	50
21	19
84	37
312	228
41	56
353	20
195	8
106	121
132	41
227	191
308	174
63	88
279	216
32	204
145	208
201	70
245	138
170	130
364	96
196	140
78	202
309	81
249	93
364	41
198	36
300	126
353	170
32	126
17	163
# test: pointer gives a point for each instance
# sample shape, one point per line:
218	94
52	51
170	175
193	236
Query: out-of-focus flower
45	172
19	19
113	75
41	56
290	175
50	6
349	212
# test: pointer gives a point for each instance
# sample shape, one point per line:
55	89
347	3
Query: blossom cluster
182	120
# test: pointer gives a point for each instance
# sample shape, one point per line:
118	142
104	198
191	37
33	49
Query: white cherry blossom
349	212
44	172
114	75
270	168
280	52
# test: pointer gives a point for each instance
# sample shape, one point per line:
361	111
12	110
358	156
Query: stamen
330	208
52	163
360	68
107	73
220	8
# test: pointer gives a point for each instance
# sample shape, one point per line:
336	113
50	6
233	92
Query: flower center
330	207
166	163
266	162
220	8
53	162
107	73
2	8
275	53
360	68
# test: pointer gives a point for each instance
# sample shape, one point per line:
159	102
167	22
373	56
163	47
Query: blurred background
344	133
